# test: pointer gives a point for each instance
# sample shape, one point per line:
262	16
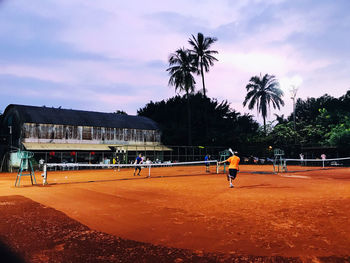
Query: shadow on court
142	177
9	256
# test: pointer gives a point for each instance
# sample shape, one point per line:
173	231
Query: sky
110	55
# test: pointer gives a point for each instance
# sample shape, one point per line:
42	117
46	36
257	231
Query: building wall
44	133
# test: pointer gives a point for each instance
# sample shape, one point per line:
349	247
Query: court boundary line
295	176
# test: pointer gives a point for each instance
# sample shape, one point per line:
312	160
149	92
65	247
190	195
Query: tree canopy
226	127
203	56
320	122
323	121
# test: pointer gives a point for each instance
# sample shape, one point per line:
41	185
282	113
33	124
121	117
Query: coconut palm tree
203	56
180	71
262	91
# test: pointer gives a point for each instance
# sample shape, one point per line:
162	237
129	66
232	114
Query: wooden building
63	135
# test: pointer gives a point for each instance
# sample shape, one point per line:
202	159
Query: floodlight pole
293	92
10	129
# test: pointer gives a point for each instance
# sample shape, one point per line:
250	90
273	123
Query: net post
44	175
217	167
279	161
149	171
285	165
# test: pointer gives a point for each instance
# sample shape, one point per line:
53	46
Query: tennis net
293	165
84	172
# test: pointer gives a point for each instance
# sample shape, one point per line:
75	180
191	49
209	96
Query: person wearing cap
233	167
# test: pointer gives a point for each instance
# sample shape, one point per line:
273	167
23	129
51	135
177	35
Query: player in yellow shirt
233	167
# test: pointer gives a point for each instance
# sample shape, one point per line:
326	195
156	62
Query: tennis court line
295	176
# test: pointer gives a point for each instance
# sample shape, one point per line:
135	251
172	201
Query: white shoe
231	185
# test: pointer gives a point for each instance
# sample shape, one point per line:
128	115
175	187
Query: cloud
87	97
106	55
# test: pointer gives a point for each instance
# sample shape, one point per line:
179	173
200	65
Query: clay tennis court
302	216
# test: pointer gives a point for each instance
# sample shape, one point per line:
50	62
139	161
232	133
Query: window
26	130
103	133
120	134
44	131
59	131
51	132
75	133
127	135
139	135
97	133
108	133
87	134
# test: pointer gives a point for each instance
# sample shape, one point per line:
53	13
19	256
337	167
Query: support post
44	175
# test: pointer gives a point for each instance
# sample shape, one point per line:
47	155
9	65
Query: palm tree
180	71
203	56
262	91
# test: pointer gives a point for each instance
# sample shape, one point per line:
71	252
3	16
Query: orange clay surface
300	214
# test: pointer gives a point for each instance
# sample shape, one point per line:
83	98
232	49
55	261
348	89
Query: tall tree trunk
202	73
205	108
264	125
189	120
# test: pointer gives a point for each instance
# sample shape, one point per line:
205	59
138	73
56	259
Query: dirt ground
182	216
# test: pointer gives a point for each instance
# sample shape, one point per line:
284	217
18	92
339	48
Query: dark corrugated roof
46	115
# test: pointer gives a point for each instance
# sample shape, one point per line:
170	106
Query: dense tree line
323	121
210	122
226	127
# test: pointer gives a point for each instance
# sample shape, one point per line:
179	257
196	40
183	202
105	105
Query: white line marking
296	176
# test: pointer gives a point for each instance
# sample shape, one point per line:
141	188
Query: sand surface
301	215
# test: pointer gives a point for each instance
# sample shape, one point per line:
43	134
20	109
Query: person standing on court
138	161
323	157
301	159
114	161
233	167
206	159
